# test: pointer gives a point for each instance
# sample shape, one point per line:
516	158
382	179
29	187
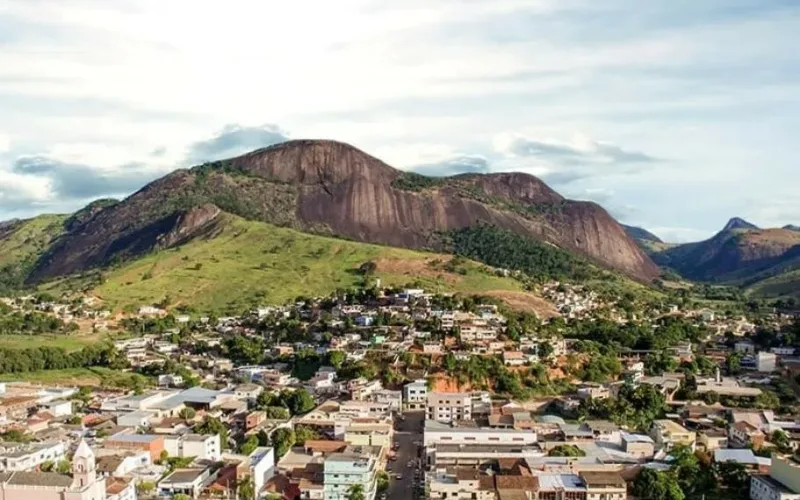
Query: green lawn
252	263
97	376
67	342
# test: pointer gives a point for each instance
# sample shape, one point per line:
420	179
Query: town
407	394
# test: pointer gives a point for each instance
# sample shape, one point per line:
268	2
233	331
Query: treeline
410	181
505	249
56	358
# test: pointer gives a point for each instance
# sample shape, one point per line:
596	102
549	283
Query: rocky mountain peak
738	223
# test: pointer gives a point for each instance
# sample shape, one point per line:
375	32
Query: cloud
234	140
71	181
454	166
581	152
5	143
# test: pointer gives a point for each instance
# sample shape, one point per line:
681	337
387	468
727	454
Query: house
668	434
639	446
259	466
151	443
59	408
593	391
248	392
120	489
135	419
514	358
712	439
743	434
121	463
185	481
766	362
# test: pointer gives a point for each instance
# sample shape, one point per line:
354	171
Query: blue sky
673	114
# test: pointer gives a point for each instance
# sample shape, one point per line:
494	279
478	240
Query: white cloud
5	143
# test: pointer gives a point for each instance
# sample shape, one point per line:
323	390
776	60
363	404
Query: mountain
641	234
333	189
740	254
791	227
738	223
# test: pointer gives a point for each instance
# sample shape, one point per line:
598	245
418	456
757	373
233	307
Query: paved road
407	432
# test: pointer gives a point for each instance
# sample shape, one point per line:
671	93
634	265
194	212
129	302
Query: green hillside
251	263
21	243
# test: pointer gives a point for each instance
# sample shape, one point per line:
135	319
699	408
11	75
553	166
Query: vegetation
355	492
56	358
292	402
282	440
411	181
635	407
21	244
567	450
252	263
212	425
505	249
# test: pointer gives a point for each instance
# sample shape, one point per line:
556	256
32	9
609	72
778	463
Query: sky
675	115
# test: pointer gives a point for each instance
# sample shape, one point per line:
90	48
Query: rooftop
183	476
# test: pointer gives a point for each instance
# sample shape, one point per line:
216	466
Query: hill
740	254
249	263
22	242
638	233
333	189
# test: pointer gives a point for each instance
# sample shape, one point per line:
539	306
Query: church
83	484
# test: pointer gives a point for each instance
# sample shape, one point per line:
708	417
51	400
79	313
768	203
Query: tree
47	466
355	492
145	488
336	358
277	412
767	400
545	350
304	433
657	485
567	450
368	268
213	425
246	489
249	445
282	440
181	496
381	482
734	478
300	402
63	467
781	440
733	363
187	413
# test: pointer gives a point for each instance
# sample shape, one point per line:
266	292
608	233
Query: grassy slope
68	342
253	263
30	239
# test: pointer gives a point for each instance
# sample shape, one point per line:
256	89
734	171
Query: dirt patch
524	301
443	383
417	268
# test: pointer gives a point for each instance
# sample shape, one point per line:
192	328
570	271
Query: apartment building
448	406
415	395
194	445
782	482
461	484
357	465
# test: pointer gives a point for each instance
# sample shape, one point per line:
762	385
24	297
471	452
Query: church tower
83	467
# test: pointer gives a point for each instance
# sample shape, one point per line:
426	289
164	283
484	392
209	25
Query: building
122	463
668	434
782	483
59	408
766	362
194	445
139	418
604	485
185	481
448	406
415	395
151	443
248	392
460	484
744	434
120	489
83	485
394	399
357	465
260	466
469	433
369	434
28	456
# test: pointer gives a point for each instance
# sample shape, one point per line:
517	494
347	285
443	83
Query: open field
67	342
76	377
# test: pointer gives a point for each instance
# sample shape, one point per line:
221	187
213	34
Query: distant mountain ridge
331	188
740	254
638	233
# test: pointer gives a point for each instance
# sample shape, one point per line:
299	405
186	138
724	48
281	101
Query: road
406	433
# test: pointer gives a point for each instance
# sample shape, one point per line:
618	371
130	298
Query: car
398	477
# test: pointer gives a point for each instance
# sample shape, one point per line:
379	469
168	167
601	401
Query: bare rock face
333	188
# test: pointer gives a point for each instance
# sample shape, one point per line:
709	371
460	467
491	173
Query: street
407	432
